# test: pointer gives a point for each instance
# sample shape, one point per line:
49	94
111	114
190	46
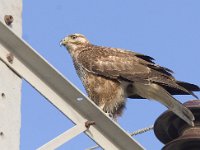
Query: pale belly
107	94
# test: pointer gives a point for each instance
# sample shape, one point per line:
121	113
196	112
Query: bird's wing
138	70
117	63
126	65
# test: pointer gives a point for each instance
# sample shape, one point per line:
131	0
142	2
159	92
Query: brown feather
110	75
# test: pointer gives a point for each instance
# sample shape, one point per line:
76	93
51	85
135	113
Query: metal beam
10	83
64	137
63	94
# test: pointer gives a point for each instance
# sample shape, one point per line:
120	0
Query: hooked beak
63	42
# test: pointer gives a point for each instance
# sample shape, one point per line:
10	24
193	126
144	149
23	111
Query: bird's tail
156	92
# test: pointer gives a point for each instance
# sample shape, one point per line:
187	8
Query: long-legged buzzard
110	75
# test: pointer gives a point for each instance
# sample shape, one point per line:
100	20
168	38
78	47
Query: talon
110	115
89	123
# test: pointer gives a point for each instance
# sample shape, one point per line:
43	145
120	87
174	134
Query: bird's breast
103	91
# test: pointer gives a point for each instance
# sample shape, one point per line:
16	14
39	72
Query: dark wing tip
188	86
161	69
150	59
146	58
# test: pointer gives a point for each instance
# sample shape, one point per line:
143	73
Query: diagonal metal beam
64	137
60	92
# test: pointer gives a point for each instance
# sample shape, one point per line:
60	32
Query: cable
140	131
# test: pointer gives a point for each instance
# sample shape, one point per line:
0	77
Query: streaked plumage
110	75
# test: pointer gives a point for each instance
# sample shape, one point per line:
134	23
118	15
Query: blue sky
166	30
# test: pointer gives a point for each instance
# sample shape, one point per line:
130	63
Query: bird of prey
110	75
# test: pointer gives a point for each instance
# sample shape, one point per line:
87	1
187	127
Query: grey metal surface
63	94
10	83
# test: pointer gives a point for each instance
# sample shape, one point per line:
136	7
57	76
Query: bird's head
74	41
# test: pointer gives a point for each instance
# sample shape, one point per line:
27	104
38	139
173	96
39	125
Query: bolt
1	133
10	58
8	19
3	95
89	123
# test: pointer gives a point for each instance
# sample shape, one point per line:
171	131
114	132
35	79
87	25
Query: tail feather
177	87
156	92
189	87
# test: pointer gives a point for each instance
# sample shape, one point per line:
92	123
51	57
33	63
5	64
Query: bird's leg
110	115
102	107
107	113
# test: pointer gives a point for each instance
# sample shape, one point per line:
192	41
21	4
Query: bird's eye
73	37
